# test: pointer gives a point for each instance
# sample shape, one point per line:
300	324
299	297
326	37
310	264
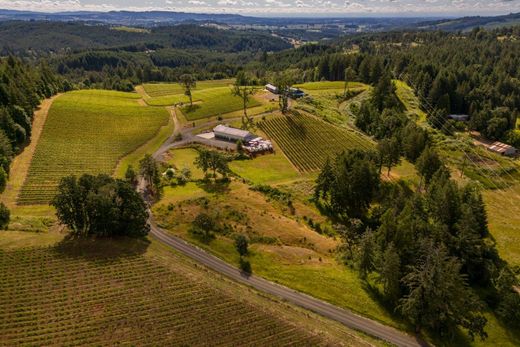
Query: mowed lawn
308	141
88	132
131	292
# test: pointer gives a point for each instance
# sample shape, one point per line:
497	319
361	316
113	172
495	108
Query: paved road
348	318
330	311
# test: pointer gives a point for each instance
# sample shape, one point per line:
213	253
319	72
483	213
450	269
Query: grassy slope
412	104
134	292
88	131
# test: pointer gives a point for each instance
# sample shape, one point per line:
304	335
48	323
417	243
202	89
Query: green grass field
410	101
161	89
131	292
88	132
214	102
339	85
308	141
265	169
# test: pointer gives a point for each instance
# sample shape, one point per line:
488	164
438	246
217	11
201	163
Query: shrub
5	216
245	266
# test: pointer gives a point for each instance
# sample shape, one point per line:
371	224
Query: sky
281	7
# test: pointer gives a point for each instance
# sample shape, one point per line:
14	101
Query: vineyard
162	89
308	141
87	132
68	295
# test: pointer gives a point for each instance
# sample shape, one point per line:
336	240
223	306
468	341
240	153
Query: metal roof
231	131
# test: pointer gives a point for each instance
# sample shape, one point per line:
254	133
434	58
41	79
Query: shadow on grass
215	187
102	248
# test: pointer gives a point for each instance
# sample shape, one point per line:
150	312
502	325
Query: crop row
308	141
85	133
52	298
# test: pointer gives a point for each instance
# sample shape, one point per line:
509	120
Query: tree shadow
100	248
220	186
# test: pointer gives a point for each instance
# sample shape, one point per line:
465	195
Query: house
226	133
502	148
459	117
273	89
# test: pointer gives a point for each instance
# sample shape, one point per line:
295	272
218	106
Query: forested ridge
472	73
22	87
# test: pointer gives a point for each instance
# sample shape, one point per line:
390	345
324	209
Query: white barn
232	134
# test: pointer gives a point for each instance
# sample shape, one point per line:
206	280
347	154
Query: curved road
320	307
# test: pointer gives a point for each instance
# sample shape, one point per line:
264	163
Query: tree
214	161
131	175
367	253
241	245
428	164
355	184
243	89
349	76
101	206
284	83
203	227
439	298
389	273
389	153
384	95
324	181
5	216
188	83
149	170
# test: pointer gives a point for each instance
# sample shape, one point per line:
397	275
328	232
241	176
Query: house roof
501	147
231	131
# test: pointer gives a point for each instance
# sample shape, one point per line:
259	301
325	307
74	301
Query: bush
245	266
203	227
5	216
241	245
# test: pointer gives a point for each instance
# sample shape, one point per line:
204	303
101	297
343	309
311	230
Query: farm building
459	117
232	134
273	89
502	149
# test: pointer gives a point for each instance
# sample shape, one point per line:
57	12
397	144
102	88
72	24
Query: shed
232	134
273	89
502	148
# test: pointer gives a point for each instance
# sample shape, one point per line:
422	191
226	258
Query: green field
329	85
88	132
161	89
207	102
308	141
131	292
410	101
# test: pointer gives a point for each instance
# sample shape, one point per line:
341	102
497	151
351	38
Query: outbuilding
502	148
232	134
273	89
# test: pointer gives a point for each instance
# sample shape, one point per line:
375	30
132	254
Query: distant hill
468	23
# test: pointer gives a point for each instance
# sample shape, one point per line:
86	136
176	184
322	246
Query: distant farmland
308	141
87	132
